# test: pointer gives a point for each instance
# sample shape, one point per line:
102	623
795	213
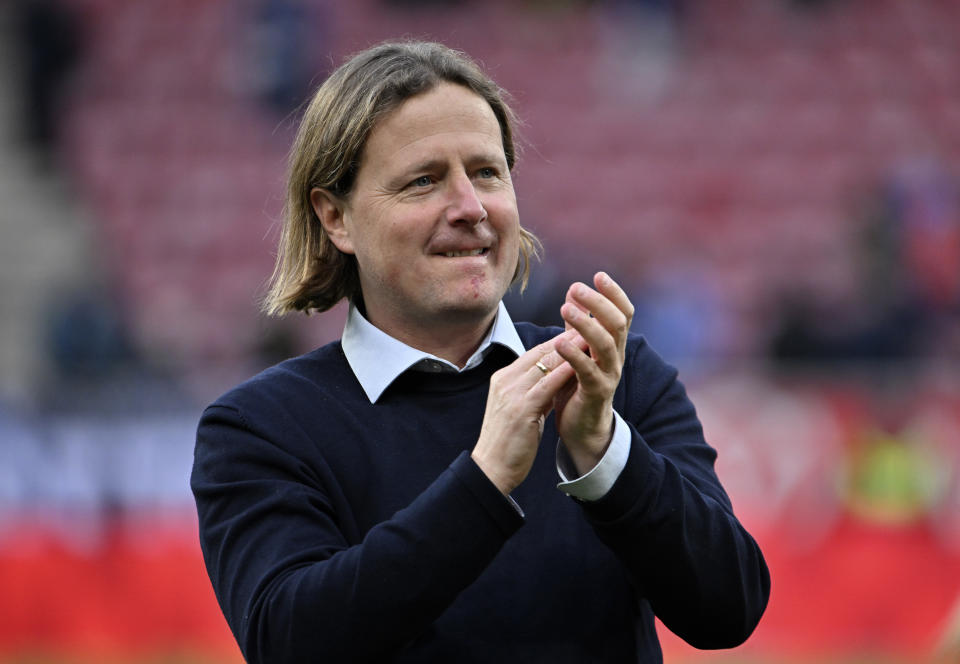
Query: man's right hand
521	396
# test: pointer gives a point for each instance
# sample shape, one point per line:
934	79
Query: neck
450	339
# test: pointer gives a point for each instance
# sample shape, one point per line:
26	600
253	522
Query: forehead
448	111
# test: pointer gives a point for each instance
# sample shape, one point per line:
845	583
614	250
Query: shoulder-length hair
311	274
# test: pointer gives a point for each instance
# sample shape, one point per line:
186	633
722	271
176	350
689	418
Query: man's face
432	218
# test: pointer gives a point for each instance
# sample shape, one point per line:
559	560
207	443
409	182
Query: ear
330	211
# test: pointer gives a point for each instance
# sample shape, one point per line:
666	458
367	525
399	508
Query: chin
469	309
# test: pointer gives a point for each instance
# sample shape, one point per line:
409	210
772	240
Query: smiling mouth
468	252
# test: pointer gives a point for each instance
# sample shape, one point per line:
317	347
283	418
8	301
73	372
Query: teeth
459	254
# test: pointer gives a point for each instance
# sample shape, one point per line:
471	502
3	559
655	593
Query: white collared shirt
377	359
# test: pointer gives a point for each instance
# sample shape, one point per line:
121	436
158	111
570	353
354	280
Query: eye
487	172
422	181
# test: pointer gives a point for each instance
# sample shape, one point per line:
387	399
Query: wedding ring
542	367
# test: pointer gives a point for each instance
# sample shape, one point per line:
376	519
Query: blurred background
775	181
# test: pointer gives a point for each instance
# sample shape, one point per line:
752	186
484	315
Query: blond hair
311	274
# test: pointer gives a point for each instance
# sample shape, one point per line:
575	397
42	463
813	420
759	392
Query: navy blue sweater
335	530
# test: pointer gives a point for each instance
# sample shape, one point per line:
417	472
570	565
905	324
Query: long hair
311	274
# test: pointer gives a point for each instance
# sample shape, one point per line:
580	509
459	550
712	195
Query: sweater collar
377	359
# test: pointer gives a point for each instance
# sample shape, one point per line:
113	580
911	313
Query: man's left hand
584	409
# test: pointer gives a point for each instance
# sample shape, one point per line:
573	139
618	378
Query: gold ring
542	367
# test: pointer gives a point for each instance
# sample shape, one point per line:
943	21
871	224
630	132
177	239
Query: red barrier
855	507
130	595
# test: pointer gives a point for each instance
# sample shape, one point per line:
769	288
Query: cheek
375	240
509	230
504	215
394	253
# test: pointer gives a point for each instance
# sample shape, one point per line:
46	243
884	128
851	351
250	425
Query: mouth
466	252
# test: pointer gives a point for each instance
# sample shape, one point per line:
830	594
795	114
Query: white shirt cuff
516	506
595	484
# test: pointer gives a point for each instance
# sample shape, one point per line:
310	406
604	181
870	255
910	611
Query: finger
543	392
612	290
538	362
556	377
552	359
588	373
529	359
604	347
570	300
545	365
602	308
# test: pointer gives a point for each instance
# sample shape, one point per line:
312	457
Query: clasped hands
573	374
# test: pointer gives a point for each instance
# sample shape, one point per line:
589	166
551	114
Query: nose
464	205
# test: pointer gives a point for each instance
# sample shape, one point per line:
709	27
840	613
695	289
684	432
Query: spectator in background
95	366
382	498
640	41
49	39
282	35
925	198
87	338
907	295
925	205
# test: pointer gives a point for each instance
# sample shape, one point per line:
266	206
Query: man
384	497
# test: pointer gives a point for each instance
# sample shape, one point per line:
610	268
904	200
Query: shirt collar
377	359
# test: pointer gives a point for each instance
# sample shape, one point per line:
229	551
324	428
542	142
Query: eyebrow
488	157
428	165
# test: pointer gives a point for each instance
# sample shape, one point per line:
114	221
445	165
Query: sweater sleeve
669	520
291	587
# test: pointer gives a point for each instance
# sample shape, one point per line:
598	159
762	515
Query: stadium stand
745	146
772	123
